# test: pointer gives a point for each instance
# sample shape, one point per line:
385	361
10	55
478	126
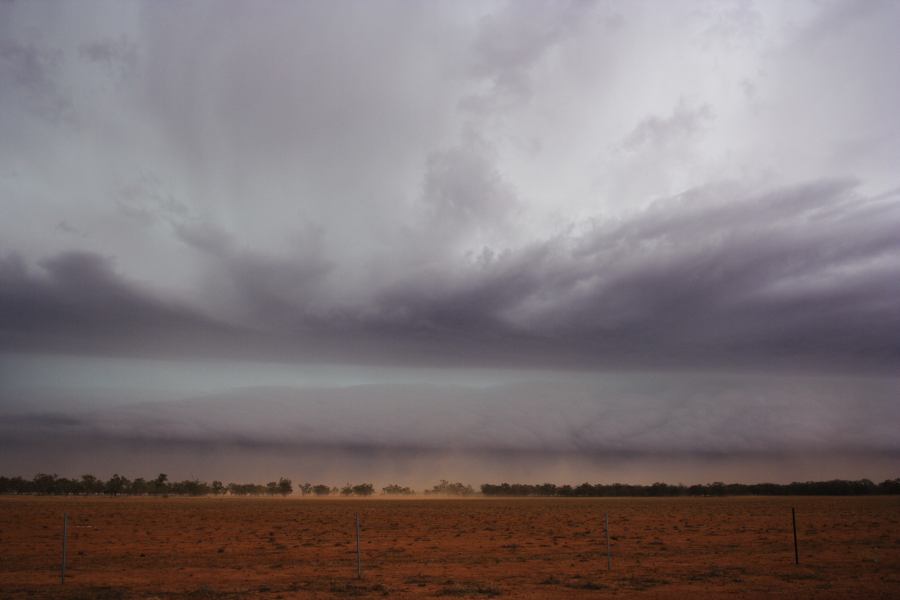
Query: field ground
517	548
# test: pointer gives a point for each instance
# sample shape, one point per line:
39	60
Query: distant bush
836	487
445	488
246	489
321	490
118	485
363	489
396	490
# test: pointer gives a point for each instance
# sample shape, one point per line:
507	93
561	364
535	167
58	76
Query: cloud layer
602	427
806	275
562	188
515	183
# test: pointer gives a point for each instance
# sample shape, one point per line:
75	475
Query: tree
117	485
285	487
44	483
160	485
190	487
363	489
396	490
445	488
217	488
140	487
321	490
91	485
305	488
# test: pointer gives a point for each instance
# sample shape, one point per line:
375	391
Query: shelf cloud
807	274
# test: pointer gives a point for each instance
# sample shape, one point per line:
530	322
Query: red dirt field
516	548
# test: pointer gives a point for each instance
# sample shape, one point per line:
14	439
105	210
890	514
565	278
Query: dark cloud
77	302
640	415
694	420
376	187
804	276
804	273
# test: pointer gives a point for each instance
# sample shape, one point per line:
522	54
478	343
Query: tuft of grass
586	585
207	593
98	593
468	589
645	583
357	589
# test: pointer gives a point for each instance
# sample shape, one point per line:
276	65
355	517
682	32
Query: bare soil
516	548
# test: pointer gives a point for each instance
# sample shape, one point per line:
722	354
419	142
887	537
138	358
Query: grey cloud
307	164
310	86
31	73
510	42
119	56
458	184
280	291
838	17
632	415
204	237
805	276
76	301
68	229
731	22
275	291
684	123
463	190
148	200
802	274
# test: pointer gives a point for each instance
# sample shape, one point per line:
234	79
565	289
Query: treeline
117	485
835	487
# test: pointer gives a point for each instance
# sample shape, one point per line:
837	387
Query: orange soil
516	548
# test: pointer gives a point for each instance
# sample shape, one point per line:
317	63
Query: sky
542	241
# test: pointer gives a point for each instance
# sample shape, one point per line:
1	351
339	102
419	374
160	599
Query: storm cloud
625	425
807	274
391	192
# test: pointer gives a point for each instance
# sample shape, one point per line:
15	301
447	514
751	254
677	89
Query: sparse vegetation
397	490
449	548
119	485
320	490
364	489
837	487
468	589
445	488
